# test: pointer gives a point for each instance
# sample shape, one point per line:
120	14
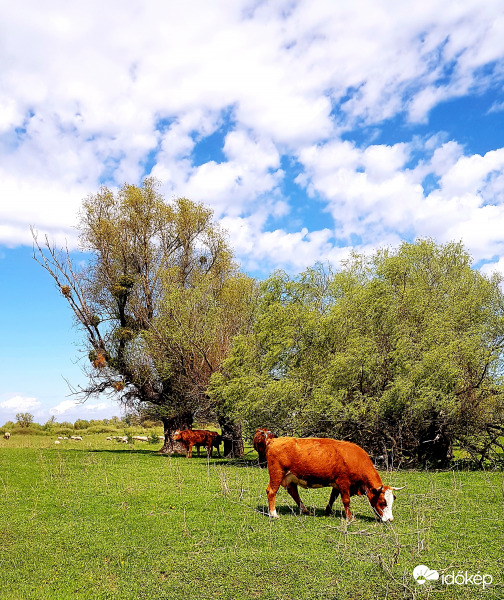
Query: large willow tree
401	352
159	299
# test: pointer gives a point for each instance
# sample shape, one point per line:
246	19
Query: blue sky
311	128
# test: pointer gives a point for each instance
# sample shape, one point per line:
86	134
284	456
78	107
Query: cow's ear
377	491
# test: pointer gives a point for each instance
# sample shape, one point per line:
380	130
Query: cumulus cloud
19	404
369	191
63	407
72	409
106	94
97	407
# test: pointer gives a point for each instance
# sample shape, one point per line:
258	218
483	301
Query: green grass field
97	519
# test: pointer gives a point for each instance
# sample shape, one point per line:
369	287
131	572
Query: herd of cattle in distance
309	463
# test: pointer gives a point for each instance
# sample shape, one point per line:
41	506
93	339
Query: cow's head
265	432
381	500
176	435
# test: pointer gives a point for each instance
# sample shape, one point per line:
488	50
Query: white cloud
270	250
470	174
63	407
97	407
369	192
74	410
20	404
100	90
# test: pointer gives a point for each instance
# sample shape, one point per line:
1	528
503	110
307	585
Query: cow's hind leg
292	488
334	494
345	498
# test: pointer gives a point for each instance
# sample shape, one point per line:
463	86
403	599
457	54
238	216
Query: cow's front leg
292	488
189	450
332	498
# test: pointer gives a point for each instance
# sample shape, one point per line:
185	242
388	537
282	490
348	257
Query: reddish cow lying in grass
323	462
262	435
197	437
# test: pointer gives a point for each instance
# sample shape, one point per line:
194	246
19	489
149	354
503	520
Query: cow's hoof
274	515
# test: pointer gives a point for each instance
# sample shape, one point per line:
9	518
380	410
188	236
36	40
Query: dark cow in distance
198	437
261	437
323	462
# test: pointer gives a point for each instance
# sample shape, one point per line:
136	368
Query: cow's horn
397	488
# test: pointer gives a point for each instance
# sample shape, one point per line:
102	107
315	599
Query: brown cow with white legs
261	437
197	437
323	462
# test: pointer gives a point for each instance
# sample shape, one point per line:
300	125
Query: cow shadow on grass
336	515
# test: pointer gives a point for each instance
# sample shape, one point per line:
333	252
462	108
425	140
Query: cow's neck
373	482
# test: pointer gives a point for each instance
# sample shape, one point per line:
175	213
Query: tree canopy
400	352
159	299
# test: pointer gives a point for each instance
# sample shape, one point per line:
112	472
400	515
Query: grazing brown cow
7	435
197	437
323	462
262	435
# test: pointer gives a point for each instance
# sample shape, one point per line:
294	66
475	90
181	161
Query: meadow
100	520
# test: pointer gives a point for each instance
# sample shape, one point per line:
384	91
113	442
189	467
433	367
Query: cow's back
319	458
196	436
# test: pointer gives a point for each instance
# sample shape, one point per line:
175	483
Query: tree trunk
183	421
435	446
232	438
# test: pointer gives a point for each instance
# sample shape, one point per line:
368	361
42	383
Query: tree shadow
242	462
120	451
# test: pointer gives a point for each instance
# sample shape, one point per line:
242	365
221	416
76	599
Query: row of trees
25	424
400	352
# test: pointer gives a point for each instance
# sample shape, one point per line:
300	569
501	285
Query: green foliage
24	419
9	425
153	438
32	429
400	352
160	299
80	427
